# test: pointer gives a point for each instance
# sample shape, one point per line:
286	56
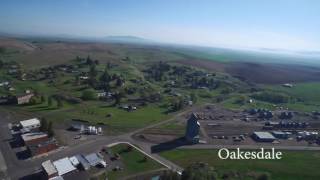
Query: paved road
19	168
30	166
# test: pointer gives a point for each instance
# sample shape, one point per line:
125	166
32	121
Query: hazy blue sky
287	24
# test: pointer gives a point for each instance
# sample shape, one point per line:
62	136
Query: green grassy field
133	163
293	166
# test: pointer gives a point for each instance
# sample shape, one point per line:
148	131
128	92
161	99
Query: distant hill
127	39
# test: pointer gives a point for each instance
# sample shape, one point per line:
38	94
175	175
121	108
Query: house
23	99
30	124
288	85
84	77
5	83
263	137
63	166
193	129
101	94
49	169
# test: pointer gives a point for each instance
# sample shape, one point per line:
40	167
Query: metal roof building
30	123
63	166
33	136
263	136
49	169
93	159
74	161
84	163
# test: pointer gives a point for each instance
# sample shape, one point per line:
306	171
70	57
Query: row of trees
47	127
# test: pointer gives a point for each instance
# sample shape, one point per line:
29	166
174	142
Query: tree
118	96
88	95
43	99
199	171
105	77
89	60
193	97
59	103
44	125
1	64
77	81
50	129
170	175
50	100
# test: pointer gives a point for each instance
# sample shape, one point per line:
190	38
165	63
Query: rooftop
74	160
32	136
63	166
93	159
264	135
30	122
48	167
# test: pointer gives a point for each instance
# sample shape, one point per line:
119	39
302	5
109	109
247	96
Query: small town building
34	138
280	134
42	147
49	169
23	99
101	94
263	137
83	162
193	129
63	166
94	159
74	161
30	124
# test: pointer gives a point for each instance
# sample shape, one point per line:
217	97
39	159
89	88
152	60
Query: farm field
293	166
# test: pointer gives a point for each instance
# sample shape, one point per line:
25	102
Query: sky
275	24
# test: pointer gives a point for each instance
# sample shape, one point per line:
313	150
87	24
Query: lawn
133	163
96	112
293	166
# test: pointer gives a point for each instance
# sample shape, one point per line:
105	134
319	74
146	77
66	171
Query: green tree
44	125
59	103
50	100
193	97
1	64
199	171
50	129
88	95
118	96
43	99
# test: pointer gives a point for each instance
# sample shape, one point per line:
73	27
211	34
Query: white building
63	166
30	124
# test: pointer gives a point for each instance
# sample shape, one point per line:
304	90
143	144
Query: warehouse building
263	137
